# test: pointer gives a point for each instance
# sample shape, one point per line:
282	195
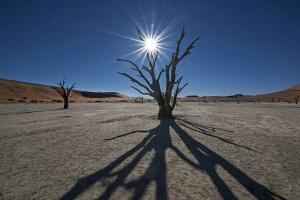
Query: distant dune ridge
16	91
287	95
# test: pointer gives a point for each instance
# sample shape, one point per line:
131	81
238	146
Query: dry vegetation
212	150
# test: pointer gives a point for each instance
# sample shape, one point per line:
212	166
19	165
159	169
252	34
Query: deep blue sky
245	46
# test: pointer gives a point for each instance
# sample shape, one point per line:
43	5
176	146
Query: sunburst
149	41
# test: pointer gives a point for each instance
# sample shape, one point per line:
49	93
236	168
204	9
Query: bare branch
136	68
60	92
183	32
147	69
61	84
180	89
71	88
188	50
140	34
177	91
144	93
135	81
160	73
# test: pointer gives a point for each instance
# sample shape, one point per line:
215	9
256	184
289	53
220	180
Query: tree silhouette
64	92
297	97
159	140
150	83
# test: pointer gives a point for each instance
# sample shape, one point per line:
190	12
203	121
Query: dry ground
120	151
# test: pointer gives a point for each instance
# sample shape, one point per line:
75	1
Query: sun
151	45
149	41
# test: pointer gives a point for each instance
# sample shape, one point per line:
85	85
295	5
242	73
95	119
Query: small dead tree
297	98
151	82
64	92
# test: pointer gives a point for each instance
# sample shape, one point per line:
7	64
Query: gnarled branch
136	81
136	68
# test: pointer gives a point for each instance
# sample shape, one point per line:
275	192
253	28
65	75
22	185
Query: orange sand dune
16	91
284	95
287	95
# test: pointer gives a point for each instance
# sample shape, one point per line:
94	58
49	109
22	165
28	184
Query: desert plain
121	151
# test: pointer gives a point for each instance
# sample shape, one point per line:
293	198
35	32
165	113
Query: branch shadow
208	131
159	140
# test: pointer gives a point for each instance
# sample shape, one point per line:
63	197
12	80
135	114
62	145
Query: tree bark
66	104
164	113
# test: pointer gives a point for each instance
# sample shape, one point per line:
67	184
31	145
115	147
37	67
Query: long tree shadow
159	140
208	131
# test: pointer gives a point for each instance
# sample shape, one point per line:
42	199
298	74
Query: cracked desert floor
121	151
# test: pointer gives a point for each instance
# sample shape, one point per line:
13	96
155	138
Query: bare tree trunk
165	110
66	103
164	113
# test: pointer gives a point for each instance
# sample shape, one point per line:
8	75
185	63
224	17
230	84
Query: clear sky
245	46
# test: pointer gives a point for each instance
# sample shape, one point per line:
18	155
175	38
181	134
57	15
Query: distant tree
166	100
64	91
297	99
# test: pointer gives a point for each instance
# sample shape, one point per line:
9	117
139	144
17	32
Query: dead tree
64	92
151	84
297	98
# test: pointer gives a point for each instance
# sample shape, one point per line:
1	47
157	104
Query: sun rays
152	38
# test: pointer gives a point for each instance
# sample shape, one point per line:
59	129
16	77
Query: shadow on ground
159	140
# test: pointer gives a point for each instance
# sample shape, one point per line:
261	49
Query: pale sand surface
120	151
